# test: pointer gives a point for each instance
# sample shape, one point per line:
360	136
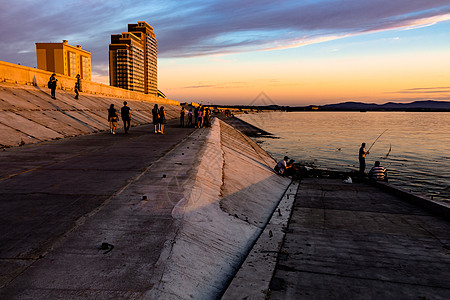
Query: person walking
52	85
77	86
125	112
155	115
182	113
196	110
200	118
362	158
206	118
190	118
162	119
112	119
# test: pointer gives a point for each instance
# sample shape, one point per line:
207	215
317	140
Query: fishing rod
376	140
389	152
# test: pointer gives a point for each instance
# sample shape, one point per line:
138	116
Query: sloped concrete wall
227	203
29	115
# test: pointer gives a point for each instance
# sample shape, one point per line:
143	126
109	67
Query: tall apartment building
133	59
62	58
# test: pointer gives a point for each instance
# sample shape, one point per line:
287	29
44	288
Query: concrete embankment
29	115
227	204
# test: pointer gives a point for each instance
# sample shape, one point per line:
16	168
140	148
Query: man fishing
362	158
363	153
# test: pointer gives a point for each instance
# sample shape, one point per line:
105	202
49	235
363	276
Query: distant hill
416	106
429	104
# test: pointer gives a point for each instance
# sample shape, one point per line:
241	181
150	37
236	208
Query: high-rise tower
133	59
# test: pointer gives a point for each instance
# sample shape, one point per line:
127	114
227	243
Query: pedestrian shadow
59	109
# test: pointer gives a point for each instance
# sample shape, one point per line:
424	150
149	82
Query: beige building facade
62	58
133	59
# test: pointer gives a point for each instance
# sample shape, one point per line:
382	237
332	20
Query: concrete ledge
18	74
437	208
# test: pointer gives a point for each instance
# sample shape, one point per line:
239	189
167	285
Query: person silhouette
125	112
155	115
190	114
182	113
162	119
378	172
112	119
77	86
362	158
52	85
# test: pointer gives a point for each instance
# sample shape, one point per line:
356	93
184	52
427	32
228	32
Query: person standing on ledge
52	85
125	112
362	158
77	86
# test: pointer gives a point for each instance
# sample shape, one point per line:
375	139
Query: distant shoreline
416	106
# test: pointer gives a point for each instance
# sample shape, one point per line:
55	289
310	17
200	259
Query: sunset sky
257	52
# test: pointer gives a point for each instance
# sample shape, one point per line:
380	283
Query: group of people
377	172
158	114
113	118
159	118
199	118
285	167
52	83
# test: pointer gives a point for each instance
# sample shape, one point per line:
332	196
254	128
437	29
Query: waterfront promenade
348	241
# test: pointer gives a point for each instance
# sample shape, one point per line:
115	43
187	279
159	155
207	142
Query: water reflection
419	143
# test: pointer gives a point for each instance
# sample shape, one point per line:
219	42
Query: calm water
419	159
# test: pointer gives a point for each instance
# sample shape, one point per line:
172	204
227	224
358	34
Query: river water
415	146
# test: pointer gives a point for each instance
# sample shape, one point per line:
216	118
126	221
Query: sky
297	53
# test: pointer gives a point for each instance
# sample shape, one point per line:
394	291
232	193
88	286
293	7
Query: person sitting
281	166
291	170
378	173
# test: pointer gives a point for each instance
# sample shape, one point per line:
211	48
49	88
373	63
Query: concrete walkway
50	189
353	241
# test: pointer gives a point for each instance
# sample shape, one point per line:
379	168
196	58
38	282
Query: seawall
29	115
18	74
